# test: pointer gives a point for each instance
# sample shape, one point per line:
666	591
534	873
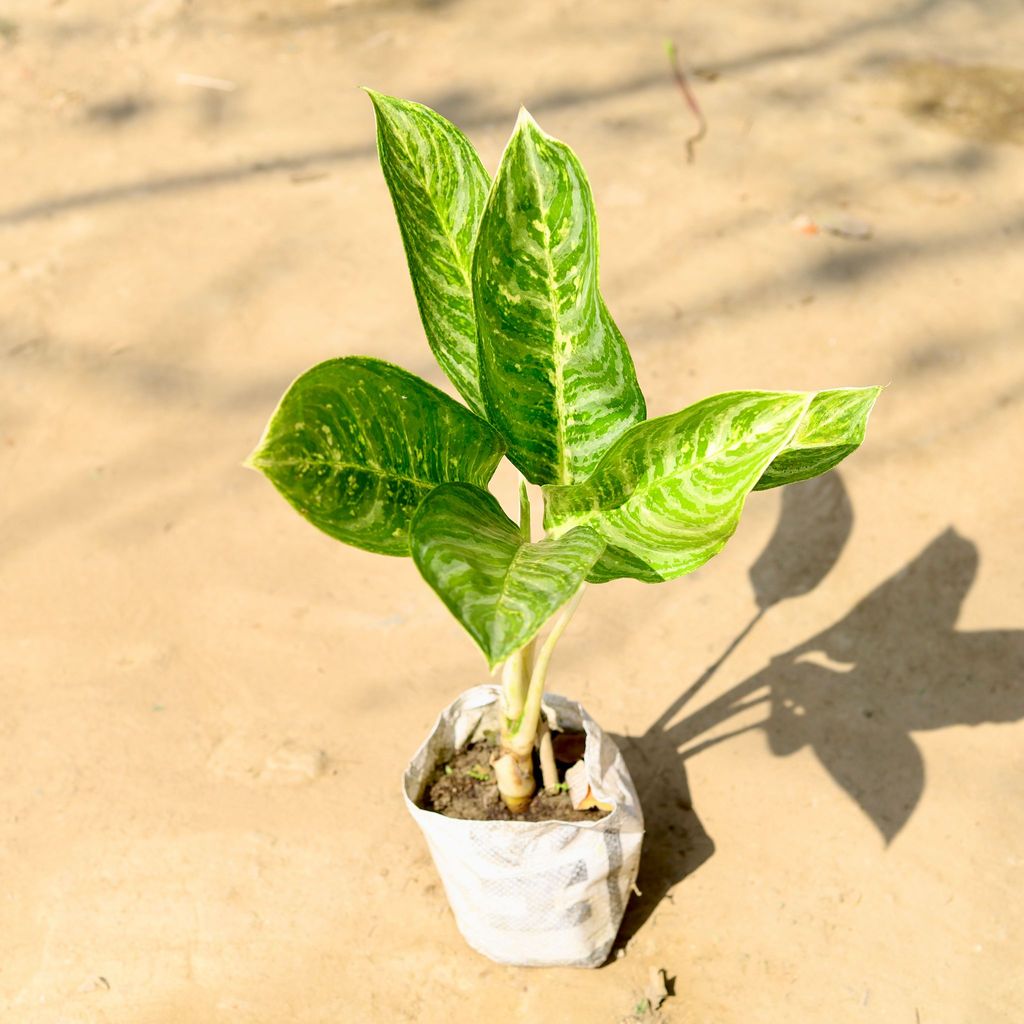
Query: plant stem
522	687
514	773
515	673
546	750
521	742
514	682
521	725
515	780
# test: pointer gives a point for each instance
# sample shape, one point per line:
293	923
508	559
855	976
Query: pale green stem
515	681
515	673
522	682
521	743
546	753
514	774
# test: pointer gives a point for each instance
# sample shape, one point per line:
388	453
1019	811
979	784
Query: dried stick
691	101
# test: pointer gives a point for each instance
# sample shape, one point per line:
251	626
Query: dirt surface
464	787
207	706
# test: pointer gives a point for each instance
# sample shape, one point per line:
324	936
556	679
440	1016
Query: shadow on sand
854	693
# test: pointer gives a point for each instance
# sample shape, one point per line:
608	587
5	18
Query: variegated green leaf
556	375
500	587
438	186
831	429
669	493
356	444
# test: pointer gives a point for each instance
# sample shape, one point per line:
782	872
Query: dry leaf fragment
580	793
656	991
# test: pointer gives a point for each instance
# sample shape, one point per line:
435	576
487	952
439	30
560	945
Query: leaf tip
251	461
379	100
525	122
872	392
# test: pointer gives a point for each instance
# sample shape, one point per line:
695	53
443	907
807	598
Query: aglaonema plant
505	274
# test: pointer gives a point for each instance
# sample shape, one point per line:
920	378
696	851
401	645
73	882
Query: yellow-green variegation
438	186
356	444
557	378
501	587
506	278
832	428
668	494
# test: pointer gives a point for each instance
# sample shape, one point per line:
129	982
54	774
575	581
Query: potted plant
505	274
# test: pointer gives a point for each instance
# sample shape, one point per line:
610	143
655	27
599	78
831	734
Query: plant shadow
854	693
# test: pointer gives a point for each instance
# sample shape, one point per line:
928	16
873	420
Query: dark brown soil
463	786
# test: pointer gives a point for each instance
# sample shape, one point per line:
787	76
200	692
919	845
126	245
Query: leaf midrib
558	353
445	230
342	466
506	576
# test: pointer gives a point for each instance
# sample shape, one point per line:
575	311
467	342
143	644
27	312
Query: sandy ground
206	705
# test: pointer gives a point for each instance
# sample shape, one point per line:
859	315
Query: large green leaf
832	428
438	186
555	372
668	494
356	444
500	587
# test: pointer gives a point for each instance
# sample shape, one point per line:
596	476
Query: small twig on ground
206	82
657	990
647	1009
691	101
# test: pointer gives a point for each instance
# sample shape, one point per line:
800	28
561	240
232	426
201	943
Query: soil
458	787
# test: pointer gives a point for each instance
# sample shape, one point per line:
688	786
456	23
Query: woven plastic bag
533	894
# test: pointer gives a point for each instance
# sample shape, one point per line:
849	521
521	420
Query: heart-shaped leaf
831	429
356	444
668	494
557	378
438	186
500	587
